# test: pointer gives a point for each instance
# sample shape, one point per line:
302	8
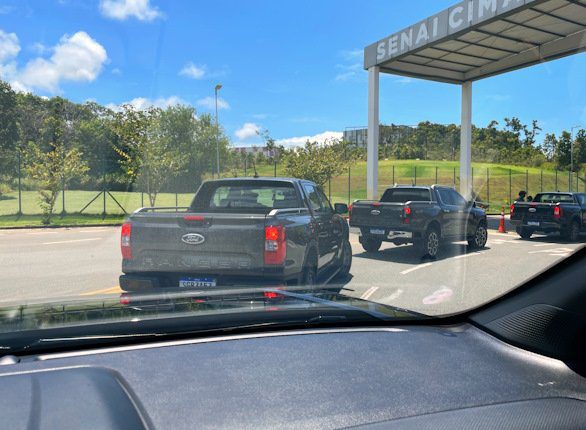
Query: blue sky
292	67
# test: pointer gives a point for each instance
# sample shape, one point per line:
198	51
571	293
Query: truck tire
524	232
480	237
429	244
572	234
370	244
345	260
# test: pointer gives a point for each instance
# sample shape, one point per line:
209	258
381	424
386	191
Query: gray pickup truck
237	232
424	216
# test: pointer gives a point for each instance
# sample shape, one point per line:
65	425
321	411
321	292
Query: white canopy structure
471	40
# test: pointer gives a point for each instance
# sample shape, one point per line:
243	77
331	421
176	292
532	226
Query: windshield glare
241	165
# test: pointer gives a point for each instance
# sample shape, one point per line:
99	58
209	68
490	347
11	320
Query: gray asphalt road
81	262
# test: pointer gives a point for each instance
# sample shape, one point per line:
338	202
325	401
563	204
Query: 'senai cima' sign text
459	17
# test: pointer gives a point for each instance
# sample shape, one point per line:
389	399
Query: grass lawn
495	184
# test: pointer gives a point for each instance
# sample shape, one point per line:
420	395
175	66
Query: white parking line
554	250
413	269
542	244
368	293
466	255
71	241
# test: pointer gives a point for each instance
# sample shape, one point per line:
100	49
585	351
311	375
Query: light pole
216	89
572	154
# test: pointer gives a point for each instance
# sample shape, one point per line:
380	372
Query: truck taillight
275	245
557	212
406	214
349	211
512	210
125	241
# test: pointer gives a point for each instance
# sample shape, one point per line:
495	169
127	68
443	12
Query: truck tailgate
375	214
200	243
533	212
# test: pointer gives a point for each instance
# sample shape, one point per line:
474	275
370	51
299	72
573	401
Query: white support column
466	141
373	132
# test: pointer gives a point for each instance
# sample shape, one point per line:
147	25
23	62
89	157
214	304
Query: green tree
8	129
144	145
319	163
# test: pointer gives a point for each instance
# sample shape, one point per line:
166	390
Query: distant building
254	150
388	134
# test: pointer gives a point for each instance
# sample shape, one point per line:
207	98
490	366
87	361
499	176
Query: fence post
19	186
487	186
62	196
275	162
436	174
569	180
142	199
415	175
510	186
176	200
394	175
349	174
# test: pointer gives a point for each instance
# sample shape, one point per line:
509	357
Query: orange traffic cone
502	228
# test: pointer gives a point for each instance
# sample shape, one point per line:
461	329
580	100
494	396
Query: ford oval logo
532	210
375	212
193	239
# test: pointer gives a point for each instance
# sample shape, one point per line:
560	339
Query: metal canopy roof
479	38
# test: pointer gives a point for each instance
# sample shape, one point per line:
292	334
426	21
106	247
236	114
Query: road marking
113	290
93	230
466	255
368	293
542	244
559	255
555	251
392	296
413	269
72	241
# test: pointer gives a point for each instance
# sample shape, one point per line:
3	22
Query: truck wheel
429	245
371	245
345	260
573	232
480	237
525	233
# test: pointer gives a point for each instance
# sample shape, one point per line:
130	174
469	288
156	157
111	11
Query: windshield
283	163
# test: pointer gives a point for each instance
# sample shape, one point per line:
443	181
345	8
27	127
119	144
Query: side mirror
341	208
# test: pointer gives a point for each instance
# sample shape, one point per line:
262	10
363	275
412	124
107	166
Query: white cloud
210	103
352	54
77	58
350	72
324	137
116	71
9	46
404	80
124	9
39	48
247	131
141	103
190	70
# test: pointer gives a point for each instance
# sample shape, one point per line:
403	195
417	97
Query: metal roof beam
479	44
577	3
560	18
457	51
509	38
427	57
530	27
558	48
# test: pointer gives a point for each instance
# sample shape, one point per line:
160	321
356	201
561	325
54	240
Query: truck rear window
245	196
553	198
402	195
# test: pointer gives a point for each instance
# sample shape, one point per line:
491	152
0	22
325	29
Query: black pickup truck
237	232
549	212
420	215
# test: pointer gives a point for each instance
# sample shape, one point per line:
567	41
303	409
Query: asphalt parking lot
49	264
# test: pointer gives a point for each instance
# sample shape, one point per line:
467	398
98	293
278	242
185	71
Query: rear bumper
145	282
544	226
396	235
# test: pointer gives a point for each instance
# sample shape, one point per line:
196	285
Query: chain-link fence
494	187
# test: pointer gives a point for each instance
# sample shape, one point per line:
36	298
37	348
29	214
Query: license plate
533	223
197	282
377	231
